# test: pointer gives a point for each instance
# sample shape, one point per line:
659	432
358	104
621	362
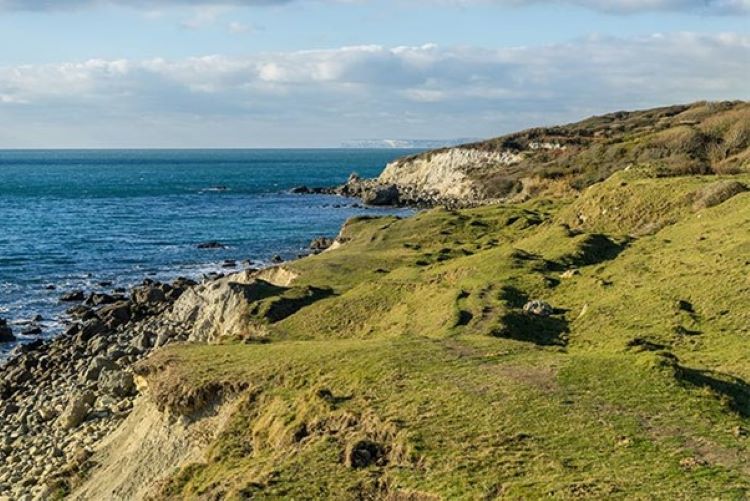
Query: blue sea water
74	218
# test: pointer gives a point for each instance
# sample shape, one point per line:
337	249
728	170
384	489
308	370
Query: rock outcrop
446	173
6	333
219	309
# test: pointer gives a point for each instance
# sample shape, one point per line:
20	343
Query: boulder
116	313
148	294
72	296
219	309
89	329
6	333
32	330
211	245
96	367
381	195
74	413
300	190
538	308
117	383
97	299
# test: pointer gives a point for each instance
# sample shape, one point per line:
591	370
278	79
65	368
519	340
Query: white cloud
324	96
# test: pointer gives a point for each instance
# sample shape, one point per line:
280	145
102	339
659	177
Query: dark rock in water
183	282
6	334
37	318
229	264
381	195
105	283
300	190
29	347
50	287
73	296
97	299
211	245
277	259
33	330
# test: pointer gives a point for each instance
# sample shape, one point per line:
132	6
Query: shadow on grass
513	296
543	331
592	249
288	302
735	390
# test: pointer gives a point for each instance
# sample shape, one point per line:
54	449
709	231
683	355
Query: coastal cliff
700	138
583	340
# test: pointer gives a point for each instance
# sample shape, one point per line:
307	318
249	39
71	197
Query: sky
318	73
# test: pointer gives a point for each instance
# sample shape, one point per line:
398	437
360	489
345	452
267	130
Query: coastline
62	396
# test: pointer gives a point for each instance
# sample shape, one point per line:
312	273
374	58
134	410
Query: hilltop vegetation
701	138
418	375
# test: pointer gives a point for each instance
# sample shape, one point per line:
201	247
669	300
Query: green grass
634	388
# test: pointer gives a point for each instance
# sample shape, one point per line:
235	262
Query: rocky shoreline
374	192
60	397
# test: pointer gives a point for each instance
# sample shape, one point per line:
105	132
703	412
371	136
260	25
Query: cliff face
702	138
446	172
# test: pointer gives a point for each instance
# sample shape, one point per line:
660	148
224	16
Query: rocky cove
60	398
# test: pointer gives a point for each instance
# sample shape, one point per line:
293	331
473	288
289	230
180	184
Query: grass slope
419	377
701	138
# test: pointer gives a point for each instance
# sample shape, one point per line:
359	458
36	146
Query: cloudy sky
280	73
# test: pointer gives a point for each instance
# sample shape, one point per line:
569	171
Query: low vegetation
403	365
702	138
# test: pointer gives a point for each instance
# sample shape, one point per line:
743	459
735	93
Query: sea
103	219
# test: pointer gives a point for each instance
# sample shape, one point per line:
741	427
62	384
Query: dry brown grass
716	193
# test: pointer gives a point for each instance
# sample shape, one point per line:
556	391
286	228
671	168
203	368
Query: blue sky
244	73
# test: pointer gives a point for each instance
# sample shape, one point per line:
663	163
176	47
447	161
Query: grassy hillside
701	138
420	376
